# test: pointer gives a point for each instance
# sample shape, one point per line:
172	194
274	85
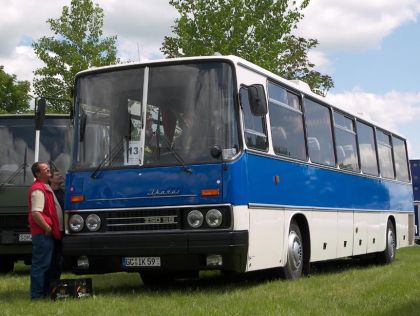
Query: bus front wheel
294	265
6	264
388	255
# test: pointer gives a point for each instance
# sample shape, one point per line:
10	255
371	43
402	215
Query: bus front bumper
176	251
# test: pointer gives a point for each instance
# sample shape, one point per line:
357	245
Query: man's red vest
49	213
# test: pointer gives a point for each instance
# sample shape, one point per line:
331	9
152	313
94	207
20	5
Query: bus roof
297	85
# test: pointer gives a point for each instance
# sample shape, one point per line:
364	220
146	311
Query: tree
78	44
257	30
14	94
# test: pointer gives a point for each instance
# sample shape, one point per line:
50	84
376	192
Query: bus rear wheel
294	265
388	255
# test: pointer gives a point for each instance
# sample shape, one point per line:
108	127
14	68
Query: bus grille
14	222
143	220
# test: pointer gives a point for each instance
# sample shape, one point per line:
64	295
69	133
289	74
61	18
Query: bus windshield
18	146
190	110
17	150
55	143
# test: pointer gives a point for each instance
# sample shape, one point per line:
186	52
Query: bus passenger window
286	121
401	161
385	155
345	138
254	126
319	133
367	149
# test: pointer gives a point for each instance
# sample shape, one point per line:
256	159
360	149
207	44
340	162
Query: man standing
44	225
57	261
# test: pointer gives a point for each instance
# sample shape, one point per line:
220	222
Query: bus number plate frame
24	237
134	262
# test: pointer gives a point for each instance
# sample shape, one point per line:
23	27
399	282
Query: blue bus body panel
249	179
416	220
144	187
308	185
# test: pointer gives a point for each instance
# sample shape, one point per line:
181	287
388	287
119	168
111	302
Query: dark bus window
286	123
385	155
400	157
319	133
55	143
254	126
367	149
345	142
17	150
386	164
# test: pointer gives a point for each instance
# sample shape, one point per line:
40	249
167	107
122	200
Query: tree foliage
77	45
14	94
260	31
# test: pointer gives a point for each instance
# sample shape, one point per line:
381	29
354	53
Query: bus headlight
93	222
195	219
76	223
214	218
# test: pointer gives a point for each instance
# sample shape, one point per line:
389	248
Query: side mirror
257	100
40	107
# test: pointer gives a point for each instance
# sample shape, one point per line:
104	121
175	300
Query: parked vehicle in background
415	175
17	154
213	163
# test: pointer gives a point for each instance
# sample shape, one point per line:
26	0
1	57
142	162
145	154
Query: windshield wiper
108	158
13	176
169	146
176	155
17	171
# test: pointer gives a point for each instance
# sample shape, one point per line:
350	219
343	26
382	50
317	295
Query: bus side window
319	133
286	120
400	157
367	149
255	129
385	155
345	139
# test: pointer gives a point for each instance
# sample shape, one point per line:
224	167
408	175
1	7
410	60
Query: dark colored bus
17	153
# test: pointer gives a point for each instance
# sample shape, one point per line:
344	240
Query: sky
371	49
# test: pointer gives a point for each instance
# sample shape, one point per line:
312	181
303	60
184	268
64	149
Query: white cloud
22	62
138	24
321	61
357	24
389	110
25	19
142	24
393	110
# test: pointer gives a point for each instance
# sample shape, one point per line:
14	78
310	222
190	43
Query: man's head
41	171
56	179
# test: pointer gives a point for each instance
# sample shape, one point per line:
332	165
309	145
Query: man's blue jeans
42	249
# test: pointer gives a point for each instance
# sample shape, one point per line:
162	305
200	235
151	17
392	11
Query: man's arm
38	201
41	222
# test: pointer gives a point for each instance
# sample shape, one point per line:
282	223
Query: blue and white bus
213	163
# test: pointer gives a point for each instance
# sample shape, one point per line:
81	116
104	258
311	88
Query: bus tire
294	265
6	265
388	255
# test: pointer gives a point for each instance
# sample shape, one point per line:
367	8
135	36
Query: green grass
342	287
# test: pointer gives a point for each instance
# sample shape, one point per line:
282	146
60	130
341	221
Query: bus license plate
128	262
24	237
